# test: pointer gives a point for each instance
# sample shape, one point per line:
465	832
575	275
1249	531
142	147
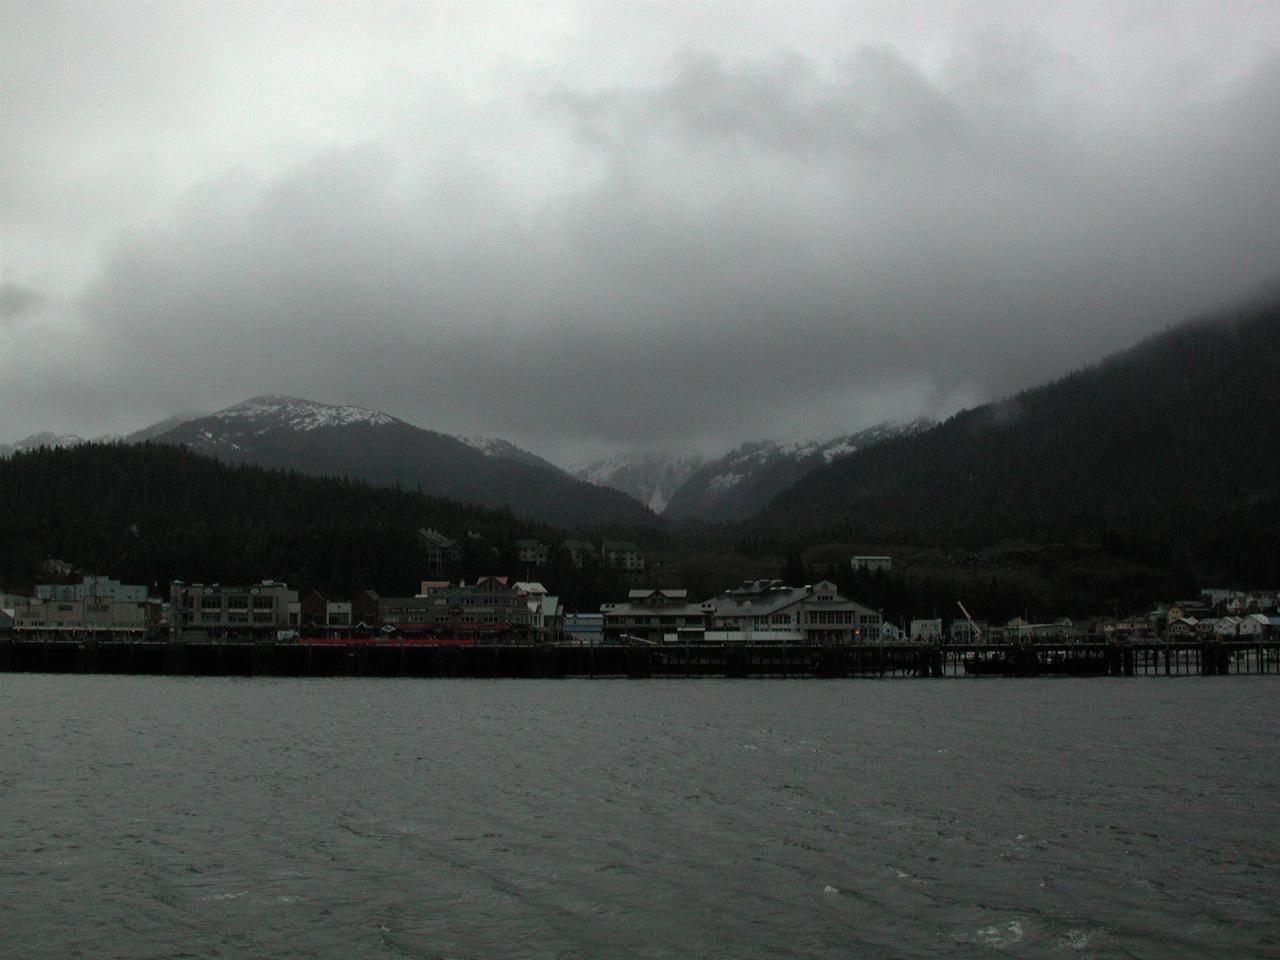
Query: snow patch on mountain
741	482
652	478
300	415
506	450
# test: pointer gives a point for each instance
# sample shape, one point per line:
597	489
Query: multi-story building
581	552
91	587
532	553
100	616
490	610
768	611
95	606
622	555
649	615
440	551
870	563
546	613
266	610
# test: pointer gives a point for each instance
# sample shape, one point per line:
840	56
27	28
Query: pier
1092	658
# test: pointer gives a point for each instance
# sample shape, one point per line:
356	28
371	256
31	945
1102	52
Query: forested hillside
1168	449
149	513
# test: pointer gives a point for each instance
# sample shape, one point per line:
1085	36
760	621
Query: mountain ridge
740	483
1170	433
331	440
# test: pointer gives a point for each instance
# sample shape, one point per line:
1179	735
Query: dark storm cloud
729	246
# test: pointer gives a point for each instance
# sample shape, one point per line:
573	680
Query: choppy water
164	817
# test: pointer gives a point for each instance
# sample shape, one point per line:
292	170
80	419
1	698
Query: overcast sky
598	225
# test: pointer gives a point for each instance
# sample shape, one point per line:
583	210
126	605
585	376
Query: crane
977	631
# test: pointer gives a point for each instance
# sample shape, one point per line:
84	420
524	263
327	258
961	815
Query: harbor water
150	817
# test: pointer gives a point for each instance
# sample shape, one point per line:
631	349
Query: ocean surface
191	818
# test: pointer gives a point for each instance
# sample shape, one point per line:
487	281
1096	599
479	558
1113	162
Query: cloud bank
588	229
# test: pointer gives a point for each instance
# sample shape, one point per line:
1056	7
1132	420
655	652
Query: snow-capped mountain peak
299	415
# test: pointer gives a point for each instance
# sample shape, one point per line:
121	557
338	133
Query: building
321	617
584	629
90	587
622	555
926	630
649	615
769	611
364	612
439	552
532	553
546	613
263	611
869	564
490	610
337	616
891	633
101	616
964	630
581	553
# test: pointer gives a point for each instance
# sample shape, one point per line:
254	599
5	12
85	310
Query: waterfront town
503	611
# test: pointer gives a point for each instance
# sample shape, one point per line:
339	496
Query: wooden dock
263	659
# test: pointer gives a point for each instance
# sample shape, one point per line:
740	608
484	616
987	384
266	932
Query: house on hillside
581	553
622	555
532	553
870	564
438	550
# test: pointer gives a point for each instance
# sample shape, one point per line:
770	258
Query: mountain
494	447
38	440
1169	446
155	430
651	478
739	484
50	439
345	441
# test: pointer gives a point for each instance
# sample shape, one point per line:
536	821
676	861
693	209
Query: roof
648	592
436	538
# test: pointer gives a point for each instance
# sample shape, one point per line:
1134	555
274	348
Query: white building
814	613
927	631
871	563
